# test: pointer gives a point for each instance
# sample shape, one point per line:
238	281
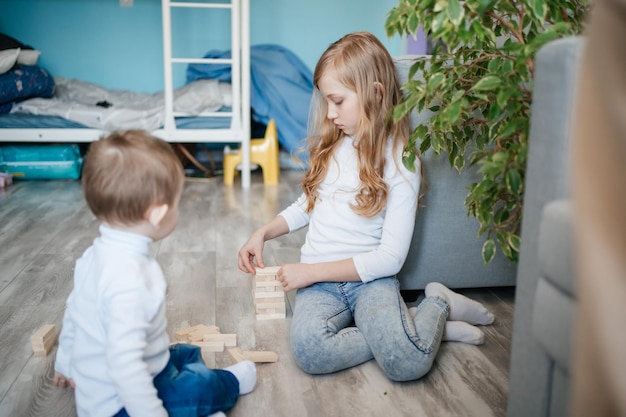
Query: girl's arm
253	249
294	276
291	219
387	259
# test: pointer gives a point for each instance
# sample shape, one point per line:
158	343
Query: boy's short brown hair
128	171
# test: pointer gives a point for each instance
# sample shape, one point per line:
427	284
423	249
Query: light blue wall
121	47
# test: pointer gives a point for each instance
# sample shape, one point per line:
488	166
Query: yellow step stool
263	152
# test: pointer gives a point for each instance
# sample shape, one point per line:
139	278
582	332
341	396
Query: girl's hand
294	276
252	250
62	381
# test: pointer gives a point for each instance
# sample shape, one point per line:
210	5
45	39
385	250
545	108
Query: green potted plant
478	82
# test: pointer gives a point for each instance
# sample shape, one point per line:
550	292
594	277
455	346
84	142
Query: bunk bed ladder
240	73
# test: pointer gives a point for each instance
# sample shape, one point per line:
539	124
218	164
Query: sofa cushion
552	322
554	297
556	262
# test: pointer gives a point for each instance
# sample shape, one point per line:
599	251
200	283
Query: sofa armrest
547	179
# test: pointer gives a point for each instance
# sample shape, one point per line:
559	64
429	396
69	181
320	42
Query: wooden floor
45	226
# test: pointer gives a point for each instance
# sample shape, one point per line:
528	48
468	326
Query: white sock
218	414
461	307
460	331
245	372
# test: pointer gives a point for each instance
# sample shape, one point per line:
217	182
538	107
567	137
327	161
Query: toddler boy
113	347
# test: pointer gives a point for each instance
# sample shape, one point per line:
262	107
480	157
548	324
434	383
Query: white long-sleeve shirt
378	245
114	341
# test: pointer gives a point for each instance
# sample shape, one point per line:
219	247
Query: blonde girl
359	203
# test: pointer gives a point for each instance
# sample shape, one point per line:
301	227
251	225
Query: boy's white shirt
378	245
114	340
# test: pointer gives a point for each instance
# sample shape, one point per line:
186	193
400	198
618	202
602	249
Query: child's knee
410	368
310	354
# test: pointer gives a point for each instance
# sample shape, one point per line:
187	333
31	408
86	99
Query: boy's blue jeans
189	389
339	325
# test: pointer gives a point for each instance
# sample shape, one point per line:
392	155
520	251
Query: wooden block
260	356
269	294
271	316
274	304
228	339
44	339
253	355
269	285
270	309
264	300
236	354
198	335
267	271
211	346
45	332
183	335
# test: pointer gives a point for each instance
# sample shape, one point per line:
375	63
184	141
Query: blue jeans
339	325
189	389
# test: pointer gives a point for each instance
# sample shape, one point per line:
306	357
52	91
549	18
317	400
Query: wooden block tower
269	296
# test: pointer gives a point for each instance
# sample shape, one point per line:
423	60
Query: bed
225	121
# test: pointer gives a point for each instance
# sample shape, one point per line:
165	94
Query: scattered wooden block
198	335
44	339
195	333
236	354
227	339
210	346
258	356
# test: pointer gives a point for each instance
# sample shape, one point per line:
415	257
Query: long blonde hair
362	64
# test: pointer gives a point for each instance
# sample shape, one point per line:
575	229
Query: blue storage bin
42	161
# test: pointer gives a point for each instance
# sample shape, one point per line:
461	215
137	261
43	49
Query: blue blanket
281	89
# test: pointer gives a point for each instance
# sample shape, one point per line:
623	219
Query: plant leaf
489	251
459	163
435	81
490	82
408	159
455	12
514	242
539	8
513	181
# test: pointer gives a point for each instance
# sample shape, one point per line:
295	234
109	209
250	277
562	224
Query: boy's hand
62	381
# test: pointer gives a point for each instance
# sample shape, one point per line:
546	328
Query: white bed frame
239	131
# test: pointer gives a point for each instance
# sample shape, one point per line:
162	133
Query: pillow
7	42
28	57
8	58
28	54
22	83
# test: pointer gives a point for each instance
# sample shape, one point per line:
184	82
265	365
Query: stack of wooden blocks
43	339
269	296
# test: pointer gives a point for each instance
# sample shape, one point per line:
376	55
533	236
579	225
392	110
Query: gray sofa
546	291
445	246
